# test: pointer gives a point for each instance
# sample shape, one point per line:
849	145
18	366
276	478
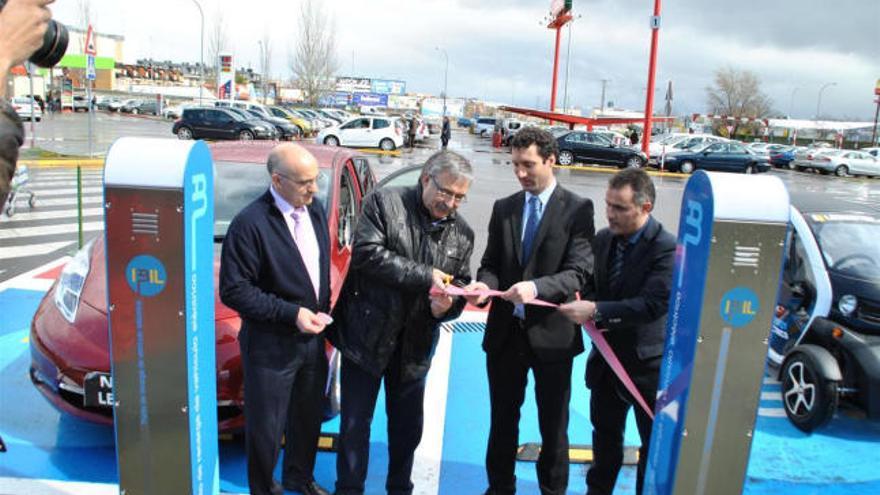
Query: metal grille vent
747	256
145	223
464	327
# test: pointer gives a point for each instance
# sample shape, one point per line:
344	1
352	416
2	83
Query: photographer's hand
22	25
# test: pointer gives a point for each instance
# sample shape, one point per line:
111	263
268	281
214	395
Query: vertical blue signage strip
682	328
202	378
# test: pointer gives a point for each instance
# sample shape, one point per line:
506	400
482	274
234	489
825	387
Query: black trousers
404	406
609	405
284	380
508	376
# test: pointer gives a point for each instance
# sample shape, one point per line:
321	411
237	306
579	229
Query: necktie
307	244
617	263
531	227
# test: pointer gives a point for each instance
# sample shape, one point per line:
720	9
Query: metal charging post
724	286
159	242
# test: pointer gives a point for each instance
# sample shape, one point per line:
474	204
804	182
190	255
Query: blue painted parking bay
52	453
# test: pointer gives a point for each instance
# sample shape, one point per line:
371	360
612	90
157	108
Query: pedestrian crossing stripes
33	236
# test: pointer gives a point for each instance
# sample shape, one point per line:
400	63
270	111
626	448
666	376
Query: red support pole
555	72
652	67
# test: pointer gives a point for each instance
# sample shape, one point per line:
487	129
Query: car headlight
71	282
847	304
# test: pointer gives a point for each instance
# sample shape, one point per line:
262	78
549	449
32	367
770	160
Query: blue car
465	122
782	157
721	157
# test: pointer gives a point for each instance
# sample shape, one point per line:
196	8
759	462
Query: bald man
275	271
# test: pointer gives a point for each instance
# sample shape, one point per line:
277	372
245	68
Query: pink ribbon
611	358
591	330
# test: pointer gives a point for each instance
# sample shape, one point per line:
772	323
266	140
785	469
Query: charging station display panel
159	249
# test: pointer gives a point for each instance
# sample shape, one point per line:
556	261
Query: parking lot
44	444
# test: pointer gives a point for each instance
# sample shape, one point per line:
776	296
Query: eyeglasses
446	194
301	183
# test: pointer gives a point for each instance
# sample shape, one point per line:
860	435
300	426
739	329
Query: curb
64	163
395	153
608	170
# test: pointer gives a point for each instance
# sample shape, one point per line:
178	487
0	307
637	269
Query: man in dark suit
628	298
538	247
275	272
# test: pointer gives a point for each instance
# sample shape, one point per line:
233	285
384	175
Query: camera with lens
54	44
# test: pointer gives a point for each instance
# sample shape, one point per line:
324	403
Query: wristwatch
597	316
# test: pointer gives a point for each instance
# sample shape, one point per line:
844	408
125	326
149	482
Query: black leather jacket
11	138
384	305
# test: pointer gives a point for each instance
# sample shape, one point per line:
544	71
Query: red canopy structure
573	120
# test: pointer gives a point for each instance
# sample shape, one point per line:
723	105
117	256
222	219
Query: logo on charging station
739	306
145	275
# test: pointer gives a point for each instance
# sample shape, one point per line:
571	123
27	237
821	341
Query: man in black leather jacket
408	241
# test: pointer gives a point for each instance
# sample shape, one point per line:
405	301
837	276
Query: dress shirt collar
544	196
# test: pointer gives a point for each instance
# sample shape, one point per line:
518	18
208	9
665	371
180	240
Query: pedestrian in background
275	272
627	297
445	133
408	241
538	247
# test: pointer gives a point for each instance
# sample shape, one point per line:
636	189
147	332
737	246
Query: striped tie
616	269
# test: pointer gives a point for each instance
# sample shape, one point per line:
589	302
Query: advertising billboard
388	87
225	76
433	107
353	84
403	102
369	100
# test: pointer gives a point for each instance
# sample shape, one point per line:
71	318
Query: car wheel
634	162
686	167
246	136
134	111
483	133
331	141
566	158
386	145
841	171
184	133
750	169
809	399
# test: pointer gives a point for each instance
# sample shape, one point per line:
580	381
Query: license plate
98	390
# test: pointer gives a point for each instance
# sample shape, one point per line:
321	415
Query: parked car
589	147
509	128
465	122
106	102
69	337
284	129
302	124
826	330
174	112
686	144
376	132
130	106
782	157
723	157
116	105
871	151
219	123
25	107
847	162
804	159
80	104
485	126
663	142
145	108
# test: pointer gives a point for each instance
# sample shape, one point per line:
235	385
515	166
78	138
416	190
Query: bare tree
218	41
313	61
737	94
265	61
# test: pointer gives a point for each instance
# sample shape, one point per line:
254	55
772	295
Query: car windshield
849	243
237	184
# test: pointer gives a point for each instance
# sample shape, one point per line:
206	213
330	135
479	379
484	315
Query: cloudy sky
501	51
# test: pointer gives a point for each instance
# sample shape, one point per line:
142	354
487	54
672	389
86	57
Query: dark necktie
616	269
531	228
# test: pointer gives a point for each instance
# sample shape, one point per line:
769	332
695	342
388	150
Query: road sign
90	68
90	43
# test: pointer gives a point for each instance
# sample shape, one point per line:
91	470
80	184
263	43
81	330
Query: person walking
445	133
275	272
628	298
408	241
538	246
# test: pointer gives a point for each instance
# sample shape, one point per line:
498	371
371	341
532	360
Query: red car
69	338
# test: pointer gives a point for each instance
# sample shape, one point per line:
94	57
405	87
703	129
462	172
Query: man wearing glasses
275	272
408	241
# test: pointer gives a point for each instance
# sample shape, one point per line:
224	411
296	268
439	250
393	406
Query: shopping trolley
19	189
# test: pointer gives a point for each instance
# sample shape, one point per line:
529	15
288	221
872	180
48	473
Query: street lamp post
201	52
445	77
819	99
262	71
791	102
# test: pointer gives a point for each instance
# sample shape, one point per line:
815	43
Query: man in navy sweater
275	272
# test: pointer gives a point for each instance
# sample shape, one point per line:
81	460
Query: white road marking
30	274
771	412
428	457
64	228
36	214
88	199
771	396
66	191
